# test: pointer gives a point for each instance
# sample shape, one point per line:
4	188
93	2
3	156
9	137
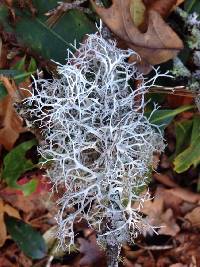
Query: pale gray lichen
179	69
191	29
196	58
98	140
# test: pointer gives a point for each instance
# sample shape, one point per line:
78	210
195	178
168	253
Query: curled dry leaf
158	44
10	123
139	10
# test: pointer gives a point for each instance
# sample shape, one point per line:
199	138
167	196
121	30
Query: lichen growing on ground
98	140
191	30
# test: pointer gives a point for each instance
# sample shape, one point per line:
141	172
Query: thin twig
177	90
156	247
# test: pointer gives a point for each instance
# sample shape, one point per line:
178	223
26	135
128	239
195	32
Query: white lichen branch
99	141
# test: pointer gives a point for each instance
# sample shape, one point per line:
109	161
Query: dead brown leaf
10	87
164	179
158	44
170	201
178	3
128	263
163	7
170	226
194	217
184	194
5	208
178	265
160	217
91	252
10	123
16	94
175	190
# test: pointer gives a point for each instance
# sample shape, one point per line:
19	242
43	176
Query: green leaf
3	91
189	157
188	154
15	164
163	118
17	74
4	22
183	133
192	6
27	238
20	65
195	129
51	42
43	6
21	77
32	67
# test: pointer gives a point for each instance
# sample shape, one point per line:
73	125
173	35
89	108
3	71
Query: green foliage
27	238
20	65
163	118
50	42
192	6
187	145
19	73
15	164
106	3
4	19
3	91
183	132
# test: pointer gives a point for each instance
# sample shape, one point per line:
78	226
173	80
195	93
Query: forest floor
175	205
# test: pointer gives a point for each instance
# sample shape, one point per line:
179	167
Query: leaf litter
158	44
174	208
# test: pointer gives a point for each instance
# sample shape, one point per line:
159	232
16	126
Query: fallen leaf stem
180	91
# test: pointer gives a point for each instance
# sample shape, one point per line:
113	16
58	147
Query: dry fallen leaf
163	7
5	208
164	179
160	217
170	227
178	265
178	3
158	44
194	217
185	194
10	123
91	252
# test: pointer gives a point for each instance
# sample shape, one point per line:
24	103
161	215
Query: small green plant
187	151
